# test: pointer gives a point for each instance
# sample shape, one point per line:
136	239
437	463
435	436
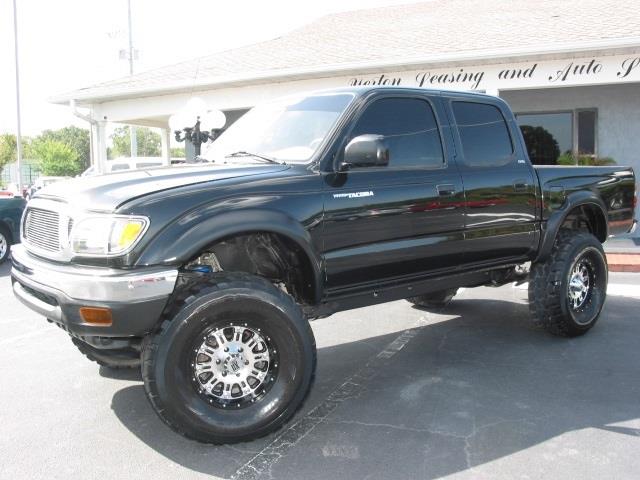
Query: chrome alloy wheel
4	245
234	365
581	281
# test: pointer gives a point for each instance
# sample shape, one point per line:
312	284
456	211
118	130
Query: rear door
499	183
401	220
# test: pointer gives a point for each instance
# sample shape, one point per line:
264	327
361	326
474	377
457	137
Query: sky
69	44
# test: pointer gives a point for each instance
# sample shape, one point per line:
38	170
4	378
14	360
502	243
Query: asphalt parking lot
470	392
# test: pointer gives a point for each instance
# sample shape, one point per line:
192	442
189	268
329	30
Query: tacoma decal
368	193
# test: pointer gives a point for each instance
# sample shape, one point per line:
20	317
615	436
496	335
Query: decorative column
100	151
165	138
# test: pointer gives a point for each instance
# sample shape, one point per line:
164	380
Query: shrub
584	160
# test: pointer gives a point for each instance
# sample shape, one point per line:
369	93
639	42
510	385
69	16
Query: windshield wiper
242	153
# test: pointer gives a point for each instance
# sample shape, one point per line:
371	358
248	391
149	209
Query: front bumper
136	297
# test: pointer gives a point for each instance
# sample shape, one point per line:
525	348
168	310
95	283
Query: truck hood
107	192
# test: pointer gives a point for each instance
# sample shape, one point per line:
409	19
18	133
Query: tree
74	137
148	142
542	147
8	146
56	158
9	149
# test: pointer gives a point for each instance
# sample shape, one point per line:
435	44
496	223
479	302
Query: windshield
287	130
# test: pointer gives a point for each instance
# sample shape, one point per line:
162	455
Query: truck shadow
464	391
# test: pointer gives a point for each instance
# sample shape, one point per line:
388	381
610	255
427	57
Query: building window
559	137
586	132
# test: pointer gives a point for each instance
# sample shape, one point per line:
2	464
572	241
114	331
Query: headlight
107	235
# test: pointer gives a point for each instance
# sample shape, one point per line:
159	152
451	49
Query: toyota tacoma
205	276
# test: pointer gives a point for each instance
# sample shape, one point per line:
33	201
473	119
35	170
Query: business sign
594	70
554	73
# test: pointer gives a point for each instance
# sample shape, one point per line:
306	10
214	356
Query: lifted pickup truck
206	276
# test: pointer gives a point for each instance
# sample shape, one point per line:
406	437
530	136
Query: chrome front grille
46	228
42	229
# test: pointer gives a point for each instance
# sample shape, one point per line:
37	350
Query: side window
484	134
410	128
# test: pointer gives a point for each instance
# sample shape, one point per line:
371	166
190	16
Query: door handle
520	185
446	190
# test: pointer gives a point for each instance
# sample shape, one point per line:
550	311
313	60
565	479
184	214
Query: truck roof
364	89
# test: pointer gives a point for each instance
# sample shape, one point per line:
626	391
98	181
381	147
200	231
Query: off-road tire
549	303
212	303
434	300
6	235
116	359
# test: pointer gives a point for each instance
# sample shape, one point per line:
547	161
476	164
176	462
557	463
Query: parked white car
137	163
127	163
42	182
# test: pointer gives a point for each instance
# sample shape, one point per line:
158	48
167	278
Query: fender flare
557	218
181	241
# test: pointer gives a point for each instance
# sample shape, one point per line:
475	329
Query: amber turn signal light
96	316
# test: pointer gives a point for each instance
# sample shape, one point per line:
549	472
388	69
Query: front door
402	220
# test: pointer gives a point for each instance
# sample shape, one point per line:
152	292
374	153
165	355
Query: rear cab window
484	134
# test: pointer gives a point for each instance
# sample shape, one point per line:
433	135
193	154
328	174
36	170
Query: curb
623	262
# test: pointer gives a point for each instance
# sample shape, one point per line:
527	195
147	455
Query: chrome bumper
52	312
90	283
55	291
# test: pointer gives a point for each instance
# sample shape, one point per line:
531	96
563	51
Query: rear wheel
567	291
434	300
233	360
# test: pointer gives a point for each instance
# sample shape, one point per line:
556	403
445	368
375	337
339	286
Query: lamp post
18	130
132	128
195	126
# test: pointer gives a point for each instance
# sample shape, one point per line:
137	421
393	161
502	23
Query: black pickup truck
206	276
11	209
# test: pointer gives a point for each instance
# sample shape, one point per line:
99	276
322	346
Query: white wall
618	122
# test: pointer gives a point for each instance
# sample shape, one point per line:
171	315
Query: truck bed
614	185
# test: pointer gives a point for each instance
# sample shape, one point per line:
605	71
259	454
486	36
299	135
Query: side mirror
365	151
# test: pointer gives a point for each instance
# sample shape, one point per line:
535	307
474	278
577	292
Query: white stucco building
571	67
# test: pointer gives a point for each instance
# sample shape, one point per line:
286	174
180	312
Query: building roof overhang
123	90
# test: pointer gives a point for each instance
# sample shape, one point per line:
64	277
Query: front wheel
233	360
567	291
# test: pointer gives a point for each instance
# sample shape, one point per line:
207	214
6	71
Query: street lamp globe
195	125
213	120
194	108
178	121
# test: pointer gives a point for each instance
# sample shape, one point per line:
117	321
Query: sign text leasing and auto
577	71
